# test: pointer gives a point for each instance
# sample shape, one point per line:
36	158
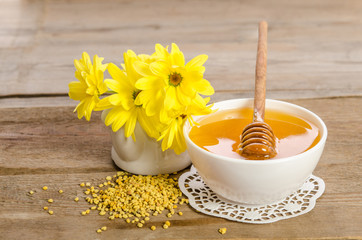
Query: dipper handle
260	73
257	139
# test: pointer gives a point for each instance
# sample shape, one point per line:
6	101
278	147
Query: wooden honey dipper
257	140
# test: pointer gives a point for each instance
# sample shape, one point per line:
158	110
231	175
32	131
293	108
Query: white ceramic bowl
257	182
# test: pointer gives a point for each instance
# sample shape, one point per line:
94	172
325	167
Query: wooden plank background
314	60
314	47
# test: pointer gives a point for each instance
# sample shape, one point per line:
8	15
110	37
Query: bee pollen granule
139	225
222	230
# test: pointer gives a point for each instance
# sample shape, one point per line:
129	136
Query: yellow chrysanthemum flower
171	79
125	112
172	136
90	85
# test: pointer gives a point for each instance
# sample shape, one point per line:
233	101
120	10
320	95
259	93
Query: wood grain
50	146
315	47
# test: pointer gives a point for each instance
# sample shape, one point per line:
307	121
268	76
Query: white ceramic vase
144	156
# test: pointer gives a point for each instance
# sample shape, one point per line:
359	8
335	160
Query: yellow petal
103	104
147	124
199	69
207	100
131	123
142	68
204	87
90	80
97	63
196	61
186	87
123	66
102	88
164	137
113	85
90	105
149	82
87	61
115	99
194	75
179	145
112	115
164	117
77	90
180	133
199	101
117	117
177	57
80	109
79	76
91	90
161	52
85	107
116	73
144	98
120	121
131	54
80	67
182	98
173	131
160	69
129	59
143	57
149	101
170	98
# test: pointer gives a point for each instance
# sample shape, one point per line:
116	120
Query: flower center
174	79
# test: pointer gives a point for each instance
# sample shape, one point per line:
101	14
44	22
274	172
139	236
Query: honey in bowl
219	133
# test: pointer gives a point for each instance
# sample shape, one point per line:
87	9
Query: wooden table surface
314	60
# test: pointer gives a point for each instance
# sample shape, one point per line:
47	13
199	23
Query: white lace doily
203	199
